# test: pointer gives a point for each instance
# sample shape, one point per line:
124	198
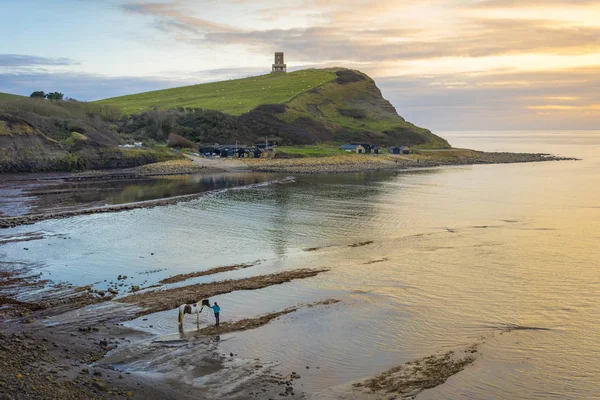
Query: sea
506	256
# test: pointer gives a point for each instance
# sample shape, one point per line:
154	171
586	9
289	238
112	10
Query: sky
444	65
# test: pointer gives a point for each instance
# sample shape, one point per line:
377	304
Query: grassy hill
234	97
302	107
8	96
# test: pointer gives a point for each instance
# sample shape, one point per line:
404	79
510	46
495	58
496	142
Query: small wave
376	261
361	244
515	327
22	237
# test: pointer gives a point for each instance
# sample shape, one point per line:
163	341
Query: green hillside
303	107
233	97
8	96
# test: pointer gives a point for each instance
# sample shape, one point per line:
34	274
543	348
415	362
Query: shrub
179	141
39	94
347	76
272	108
356	113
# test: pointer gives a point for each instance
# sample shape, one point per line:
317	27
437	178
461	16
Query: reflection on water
459	255
50	195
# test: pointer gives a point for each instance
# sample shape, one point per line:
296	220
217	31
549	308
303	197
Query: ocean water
458	254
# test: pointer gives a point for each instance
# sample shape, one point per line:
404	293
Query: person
216	309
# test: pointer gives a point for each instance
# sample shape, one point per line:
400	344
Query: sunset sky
445	65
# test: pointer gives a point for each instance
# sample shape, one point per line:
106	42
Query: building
368	147
353	148
400	150
279	65
207	150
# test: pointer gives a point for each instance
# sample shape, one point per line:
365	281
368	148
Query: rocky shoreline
367	163
53	343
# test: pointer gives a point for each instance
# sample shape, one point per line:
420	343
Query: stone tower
279	65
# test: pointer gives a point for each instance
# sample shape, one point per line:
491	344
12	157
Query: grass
318	150
233	97
74	138
8	96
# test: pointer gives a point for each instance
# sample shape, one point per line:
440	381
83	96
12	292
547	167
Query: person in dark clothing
216	309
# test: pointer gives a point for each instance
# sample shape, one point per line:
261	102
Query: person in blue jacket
216	309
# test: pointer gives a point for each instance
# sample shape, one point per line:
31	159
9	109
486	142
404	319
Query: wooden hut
353	148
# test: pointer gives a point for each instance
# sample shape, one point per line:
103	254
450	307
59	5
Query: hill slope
233	97
40	135
8	96
302	107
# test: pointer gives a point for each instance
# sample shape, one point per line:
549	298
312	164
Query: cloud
483	38
562	99
531	3
176	16
353	37
18	60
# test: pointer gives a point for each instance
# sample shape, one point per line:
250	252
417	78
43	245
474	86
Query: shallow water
22	194
467	252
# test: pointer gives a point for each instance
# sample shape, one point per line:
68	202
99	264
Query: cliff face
36	135
24	148
351	108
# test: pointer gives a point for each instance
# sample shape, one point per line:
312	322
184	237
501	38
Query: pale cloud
20	61
177	15
385	31
561	107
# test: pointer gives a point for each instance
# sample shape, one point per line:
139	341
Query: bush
347	76
39	94
356	113
179	141
272	108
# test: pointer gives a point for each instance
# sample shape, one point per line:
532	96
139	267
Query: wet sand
405	381
53	348
162	300
211	271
